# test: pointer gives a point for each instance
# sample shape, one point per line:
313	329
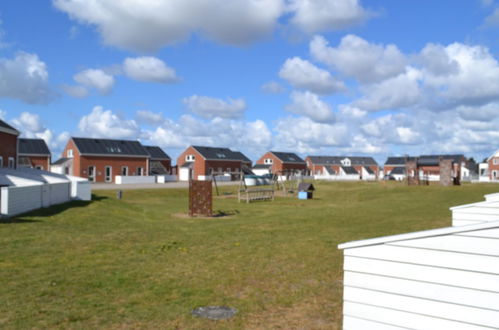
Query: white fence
119	179
166	178
355	177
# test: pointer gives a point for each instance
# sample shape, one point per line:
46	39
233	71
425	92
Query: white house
437	279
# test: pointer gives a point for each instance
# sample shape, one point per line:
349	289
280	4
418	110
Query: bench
250	195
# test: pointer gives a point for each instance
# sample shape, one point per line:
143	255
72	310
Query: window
220	155
494	175
124	170
190	158
140	171
108	173
1	161
496	161
39	167
66	170
346	162
70	153
210	171
229	170
268	161
11	162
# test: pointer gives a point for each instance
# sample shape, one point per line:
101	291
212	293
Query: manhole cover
215	312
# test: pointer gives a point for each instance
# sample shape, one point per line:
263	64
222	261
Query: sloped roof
336	160
262	166
398	160
288	157
330	170
398	171
33	147
156	152
435	159
349	170
420	234
61	161
214	153
369	170
4	127
109	147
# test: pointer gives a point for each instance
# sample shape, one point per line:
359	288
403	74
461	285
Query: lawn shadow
51	211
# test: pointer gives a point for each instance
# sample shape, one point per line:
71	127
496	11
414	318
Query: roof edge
419	234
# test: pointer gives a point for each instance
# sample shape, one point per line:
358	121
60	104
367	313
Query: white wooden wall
60	193
134	179
475	213
441	282
81	190
17	200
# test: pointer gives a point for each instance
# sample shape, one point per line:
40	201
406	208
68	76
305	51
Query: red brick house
493	166
33	153
197	162
8	146
366	167
159	161
100	160
283	163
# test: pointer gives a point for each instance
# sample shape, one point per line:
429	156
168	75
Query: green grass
137	263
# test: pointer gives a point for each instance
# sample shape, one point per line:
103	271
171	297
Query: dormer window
70	153
190	158
268	161
346	162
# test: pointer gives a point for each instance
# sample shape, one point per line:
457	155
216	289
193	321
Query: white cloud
149	118
209	107
75	91
97	79
311	106
313	16
25	78
492	20
357	58
102	123
303	74
149	69
398	92
272	87
485	113
148	25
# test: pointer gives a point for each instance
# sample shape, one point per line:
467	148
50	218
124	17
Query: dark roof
305	187
434	160
33	147
330	170
369	170
156	152
213	153
349	170
6	126
397	170
110	147
336	160
288	157
262	166
61	161
156	168
187	165
398	160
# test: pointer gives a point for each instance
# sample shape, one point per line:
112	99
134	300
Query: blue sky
330	77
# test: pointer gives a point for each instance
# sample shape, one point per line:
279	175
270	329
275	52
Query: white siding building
437	279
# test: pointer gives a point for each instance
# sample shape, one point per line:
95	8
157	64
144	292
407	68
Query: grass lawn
137	263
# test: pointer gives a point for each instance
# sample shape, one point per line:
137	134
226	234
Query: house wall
43	161
493	168
8	148
279	167
81	164
202	167
440	282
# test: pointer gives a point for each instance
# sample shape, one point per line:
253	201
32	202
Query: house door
108	174
91	173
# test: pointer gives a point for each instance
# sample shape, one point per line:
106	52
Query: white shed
470	214
437	279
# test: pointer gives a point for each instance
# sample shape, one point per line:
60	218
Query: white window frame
93	177
108	178
496	161
140	171
69	153
190	158
268	161
126	170
12	162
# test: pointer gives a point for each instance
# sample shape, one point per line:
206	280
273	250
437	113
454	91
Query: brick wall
8	148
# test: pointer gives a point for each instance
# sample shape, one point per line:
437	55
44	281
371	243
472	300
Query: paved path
168	185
